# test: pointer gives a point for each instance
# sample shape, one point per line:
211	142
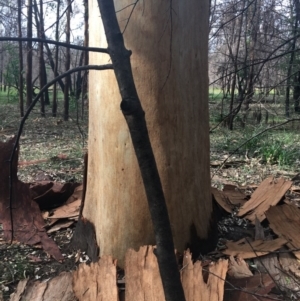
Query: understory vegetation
262	139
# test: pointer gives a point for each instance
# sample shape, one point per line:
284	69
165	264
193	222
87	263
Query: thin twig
130	14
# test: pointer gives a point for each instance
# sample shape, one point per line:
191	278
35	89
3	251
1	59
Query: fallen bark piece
77	194
238	268
66	211
268	194
250	289
60	225
58	288
222	199
289	268
28	223
285	222
235	195
246	249
229	198
194	286
21	219
97	281
50	195
16	296
281	266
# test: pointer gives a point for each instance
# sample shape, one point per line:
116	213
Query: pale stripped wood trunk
169	63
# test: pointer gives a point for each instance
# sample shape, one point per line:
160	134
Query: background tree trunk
169	62
86	57
29	55
41	54
54	99
67	64
21	84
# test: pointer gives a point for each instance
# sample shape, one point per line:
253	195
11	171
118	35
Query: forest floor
50	150
53	150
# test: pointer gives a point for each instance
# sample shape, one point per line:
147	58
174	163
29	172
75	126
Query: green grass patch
9	96
279	147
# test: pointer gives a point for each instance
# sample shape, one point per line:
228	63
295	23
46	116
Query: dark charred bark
135	118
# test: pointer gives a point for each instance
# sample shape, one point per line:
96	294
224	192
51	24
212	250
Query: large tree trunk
169	62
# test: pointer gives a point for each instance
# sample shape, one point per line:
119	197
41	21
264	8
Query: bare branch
93	49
